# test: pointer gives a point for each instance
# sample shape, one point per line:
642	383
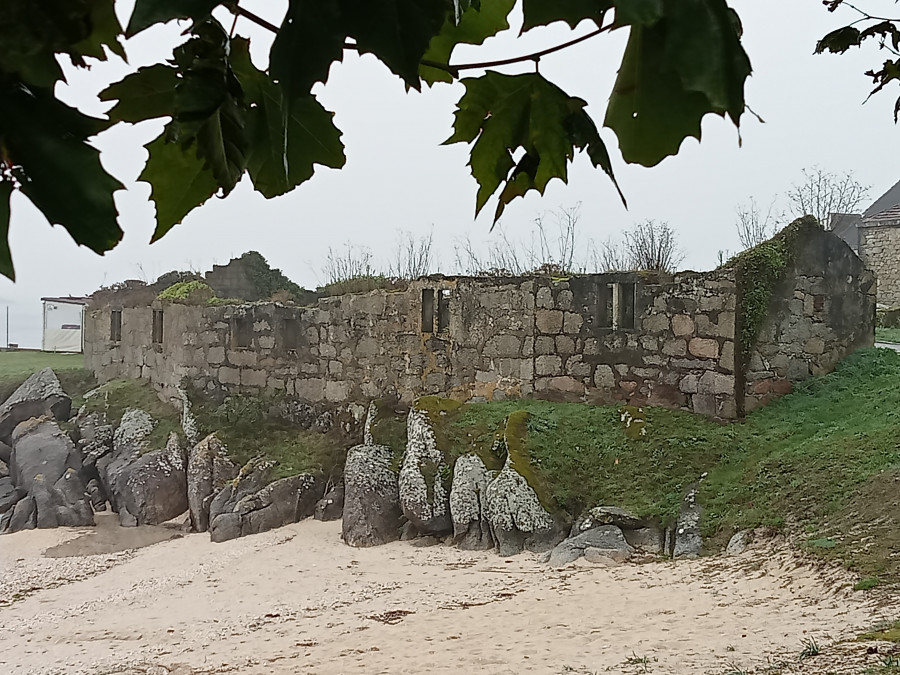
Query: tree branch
454	70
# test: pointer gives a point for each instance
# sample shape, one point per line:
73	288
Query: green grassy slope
16	366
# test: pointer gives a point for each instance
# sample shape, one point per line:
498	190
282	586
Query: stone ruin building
689	340
875	237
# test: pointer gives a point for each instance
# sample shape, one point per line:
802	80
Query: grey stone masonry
641	338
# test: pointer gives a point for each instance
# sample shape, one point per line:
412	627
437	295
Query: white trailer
63	324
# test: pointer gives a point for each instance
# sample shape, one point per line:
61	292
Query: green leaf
674	72
286	141
180	182
703	46
222	144
143	95
105	31
398	32
635	12
310	39
476	24
56	169
149	12
501	114
6	263
573	12
840	40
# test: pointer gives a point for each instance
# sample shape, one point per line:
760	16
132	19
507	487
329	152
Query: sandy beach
297	600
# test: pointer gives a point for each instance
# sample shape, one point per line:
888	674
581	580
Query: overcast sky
399	177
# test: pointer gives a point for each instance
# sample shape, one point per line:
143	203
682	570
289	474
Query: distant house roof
846	226
886	207
69	299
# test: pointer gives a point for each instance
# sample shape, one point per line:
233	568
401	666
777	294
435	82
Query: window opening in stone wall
242	332
443	310
157	326
605	314
115	325
290	335
626	307
427	310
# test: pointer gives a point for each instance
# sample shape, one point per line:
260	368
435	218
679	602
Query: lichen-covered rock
331	506
281	503
738	542
372	514
608	515
39	395
471	529
252	478
646	539
208	472
128	444
517	518
424	498
606	538
4	469
94	439
154	488
687	528
41	447
5	452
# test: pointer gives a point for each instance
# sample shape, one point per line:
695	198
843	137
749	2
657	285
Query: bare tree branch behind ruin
652	245
352	262
755	226
823	192
413	257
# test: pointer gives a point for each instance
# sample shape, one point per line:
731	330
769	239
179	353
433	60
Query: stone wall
822	311
878	247
620	337
638	338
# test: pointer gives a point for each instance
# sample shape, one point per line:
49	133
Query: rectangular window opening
290	335
115	325
626	307
157	326
427	310
242	332
443	310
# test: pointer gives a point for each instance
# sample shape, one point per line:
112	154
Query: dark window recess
626	307
115	325
427	310
443	311
242	332
605	294
290	335
157	326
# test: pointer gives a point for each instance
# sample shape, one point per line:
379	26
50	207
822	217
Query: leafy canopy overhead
227	117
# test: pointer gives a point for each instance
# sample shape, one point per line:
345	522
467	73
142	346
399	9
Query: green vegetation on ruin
195	292
759	270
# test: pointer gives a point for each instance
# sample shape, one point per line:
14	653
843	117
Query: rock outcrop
517	518
687	528
41	448
208	472
372	513
41	395
252	478
283	502
603	540
424	498
471	529
331	506
153	488
128	444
